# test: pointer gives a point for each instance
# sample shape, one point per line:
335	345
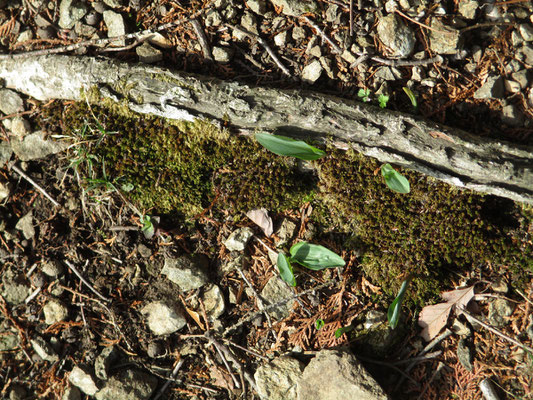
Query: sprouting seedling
341	331
311	256
148	228
286	146
394	311
411	96
319	324
383	100
394	180
364	95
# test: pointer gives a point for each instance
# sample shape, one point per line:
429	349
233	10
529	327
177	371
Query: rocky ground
92	304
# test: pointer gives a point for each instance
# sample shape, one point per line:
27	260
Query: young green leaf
383	100
285	269
341	331
286	146
315	257
394	180
319	324
393	314
363	94
411	96
148	228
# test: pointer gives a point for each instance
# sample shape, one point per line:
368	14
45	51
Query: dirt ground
96	228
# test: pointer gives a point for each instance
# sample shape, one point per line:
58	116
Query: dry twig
73	269
206	49
35	185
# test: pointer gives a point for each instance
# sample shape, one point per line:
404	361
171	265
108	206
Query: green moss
432	231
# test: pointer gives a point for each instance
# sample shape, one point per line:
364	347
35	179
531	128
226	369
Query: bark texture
448	154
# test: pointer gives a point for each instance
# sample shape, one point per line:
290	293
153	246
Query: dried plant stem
336	48
206	49
84	281
494	330
35	185
169	381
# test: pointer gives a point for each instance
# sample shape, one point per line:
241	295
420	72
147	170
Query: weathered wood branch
451	155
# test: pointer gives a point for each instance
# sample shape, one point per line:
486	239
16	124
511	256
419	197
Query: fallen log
451	155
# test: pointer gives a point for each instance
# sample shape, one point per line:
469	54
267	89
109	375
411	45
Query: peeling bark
448	154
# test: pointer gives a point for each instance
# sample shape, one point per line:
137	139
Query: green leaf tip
285	269
286	146
394	180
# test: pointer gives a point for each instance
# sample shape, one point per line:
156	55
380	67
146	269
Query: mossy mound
182	169
431	231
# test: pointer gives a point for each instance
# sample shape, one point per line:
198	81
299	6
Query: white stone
163	319
278	379
214	302
54	311
83	381
43	349
238	239
312	71
115	27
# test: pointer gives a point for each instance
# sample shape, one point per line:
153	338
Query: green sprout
286	146
394	311
311	256
394	180
364	94
411	96
383	100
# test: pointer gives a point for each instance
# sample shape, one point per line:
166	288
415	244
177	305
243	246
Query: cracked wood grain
451	155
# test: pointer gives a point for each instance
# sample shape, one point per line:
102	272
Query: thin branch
35	185
169	381
73	269
206	49
336	48
408	63
265	46
221	354
494	330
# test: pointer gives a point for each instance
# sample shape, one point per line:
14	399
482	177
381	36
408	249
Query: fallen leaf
222	378
433	318
260	218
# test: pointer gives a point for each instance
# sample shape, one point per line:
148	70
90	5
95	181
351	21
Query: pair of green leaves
311	256
394	311
286	146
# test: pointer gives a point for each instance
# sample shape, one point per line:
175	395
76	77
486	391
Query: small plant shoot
315	257
285	269
394	311
341	331
286	146
383	100
319	324
411	96
148	228
364	95
394	180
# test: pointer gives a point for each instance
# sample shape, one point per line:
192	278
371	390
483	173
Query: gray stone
332	14
186	272
526	31
93	18
25	36
512	86
298	33
163	319
493	88
512	116
521	77
71	393
249	22
396	35
280	39
335	374
10	102
525	53
278	379
48	32
54	311
285	233
499	312
213	18
148	53
43	349
25	224
373	318
8	341
238	239
19	126
257	6
464	355
104	360
34	146
70	12
83	380
443	39
295	8
15	288
4	190
130	384
144	251
52	268
467	8
5	153
274	291
222	54
84	30
516	39
115	26
17	392
214	302
385	73
312	71
116	3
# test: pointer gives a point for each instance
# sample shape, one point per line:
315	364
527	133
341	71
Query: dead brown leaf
260	218
434	318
